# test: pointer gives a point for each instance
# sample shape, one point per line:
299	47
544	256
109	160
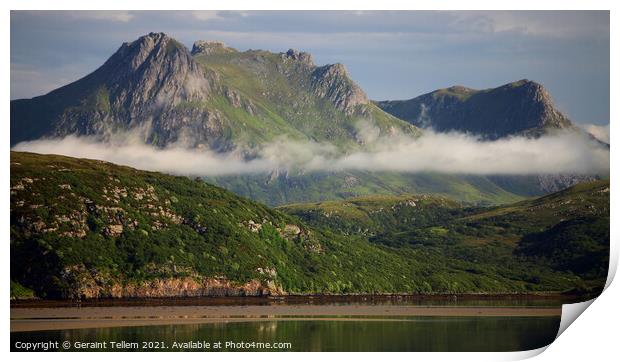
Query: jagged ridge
212	97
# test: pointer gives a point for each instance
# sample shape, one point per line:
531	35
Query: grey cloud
443	153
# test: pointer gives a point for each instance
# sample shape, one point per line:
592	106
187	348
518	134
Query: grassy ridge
276	97
291	188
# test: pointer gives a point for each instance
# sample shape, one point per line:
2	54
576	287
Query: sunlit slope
280	189
567	231
90	229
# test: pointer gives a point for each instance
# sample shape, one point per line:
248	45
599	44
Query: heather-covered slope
90	229
566	231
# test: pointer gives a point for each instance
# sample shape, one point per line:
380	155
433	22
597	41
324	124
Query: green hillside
266	95
90	229
281	189
566	231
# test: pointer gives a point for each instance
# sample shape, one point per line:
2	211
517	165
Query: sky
392	55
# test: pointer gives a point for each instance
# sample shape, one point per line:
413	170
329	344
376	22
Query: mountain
218	98
521	108
518	108
90	229
215	97
212	96
141	85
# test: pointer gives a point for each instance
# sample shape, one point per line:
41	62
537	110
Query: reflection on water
413	300
404	334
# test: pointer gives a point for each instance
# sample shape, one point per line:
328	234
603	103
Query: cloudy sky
392	55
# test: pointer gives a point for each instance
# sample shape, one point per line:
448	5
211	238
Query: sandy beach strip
37	319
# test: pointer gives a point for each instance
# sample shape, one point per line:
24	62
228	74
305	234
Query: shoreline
56	318
301	299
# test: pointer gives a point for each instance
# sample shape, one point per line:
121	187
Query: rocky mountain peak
332	81
540	102
208	47
168	94
538	92
153	68
460	89
296	55
150	49
139	86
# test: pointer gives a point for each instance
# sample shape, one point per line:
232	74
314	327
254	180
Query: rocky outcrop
554	183
81	283
332	82
519	108
297	56
208	47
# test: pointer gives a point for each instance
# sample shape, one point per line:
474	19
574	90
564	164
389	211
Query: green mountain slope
281	189
90	229
273	94
372	215
566	231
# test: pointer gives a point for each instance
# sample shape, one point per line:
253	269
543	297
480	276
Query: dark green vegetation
87	229
519	108
566	231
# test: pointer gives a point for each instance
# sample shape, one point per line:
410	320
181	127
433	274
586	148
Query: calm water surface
396	334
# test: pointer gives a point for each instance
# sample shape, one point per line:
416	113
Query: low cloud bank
598	131
433	152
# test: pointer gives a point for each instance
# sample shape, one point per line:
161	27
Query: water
385	334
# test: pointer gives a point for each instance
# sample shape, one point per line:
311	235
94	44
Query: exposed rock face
114	230
332	82
520	108
142	86
291	229
158	89
84	284
208	47
296	55
554	183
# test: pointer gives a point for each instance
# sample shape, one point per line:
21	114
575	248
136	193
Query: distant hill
280	189
90	229
519	108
